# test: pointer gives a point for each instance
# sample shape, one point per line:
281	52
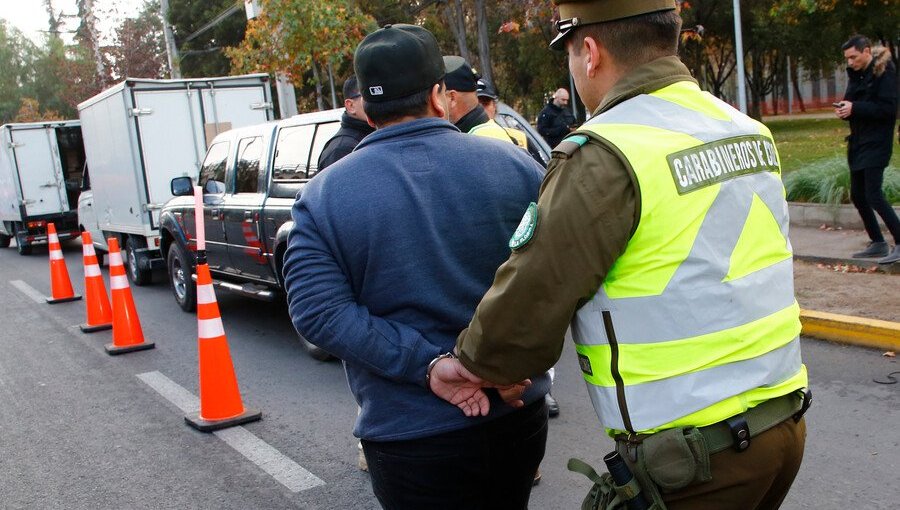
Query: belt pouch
675	458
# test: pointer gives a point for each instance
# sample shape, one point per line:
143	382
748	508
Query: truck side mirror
182	186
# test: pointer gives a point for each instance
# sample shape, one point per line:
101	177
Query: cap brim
559	42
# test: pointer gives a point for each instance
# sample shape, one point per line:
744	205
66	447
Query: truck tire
138	276
180	281
4	240
314	351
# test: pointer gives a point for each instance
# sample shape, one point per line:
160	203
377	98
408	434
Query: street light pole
171	47
739	57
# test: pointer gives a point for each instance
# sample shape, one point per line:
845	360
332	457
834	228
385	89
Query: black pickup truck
250	179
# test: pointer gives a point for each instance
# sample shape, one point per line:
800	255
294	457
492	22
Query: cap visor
559	42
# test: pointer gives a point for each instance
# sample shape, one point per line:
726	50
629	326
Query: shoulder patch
570	144
525	231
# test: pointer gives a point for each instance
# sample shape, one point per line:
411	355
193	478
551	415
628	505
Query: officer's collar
644	79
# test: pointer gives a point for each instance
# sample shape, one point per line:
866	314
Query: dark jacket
344	141
873	92
391	250
553	123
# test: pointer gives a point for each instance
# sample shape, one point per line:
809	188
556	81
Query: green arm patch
525	231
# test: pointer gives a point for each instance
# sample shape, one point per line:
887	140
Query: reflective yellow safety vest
491	129
696	321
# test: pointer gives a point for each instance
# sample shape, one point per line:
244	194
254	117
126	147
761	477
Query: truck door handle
214	213
49	185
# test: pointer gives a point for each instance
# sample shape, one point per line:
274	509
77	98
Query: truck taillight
36	224
156	242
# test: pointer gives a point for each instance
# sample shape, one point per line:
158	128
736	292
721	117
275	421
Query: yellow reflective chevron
696	321
491	129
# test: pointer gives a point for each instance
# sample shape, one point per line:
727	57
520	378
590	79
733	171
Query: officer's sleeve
586	214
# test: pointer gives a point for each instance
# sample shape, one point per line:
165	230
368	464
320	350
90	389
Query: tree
30	111
204	54
17	56
139	50
298	38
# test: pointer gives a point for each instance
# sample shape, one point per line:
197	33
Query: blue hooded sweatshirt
392	248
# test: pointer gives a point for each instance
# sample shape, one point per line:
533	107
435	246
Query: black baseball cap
397	61
485	89
460	75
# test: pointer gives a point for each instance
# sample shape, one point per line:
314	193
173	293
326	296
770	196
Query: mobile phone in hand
837	105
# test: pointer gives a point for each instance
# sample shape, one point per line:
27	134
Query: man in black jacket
555	120
870	105
354	127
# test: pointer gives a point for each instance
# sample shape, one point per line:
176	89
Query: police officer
661	235
466	112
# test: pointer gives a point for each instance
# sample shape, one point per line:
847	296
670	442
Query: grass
814	161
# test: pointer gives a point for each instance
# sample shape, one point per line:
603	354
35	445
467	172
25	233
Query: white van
139	135
40	175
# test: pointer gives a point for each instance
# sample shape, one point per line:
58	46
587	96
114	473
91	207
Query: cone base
202	425
114	350
92	328
63	300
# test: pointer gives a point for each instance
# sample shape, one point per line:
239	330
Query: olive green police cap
576	13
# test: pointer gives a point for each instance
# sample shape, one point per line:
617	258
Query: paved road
80	429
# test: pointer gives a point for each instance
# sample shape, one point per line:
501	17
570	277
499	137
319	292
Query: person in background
390	251
488	97
556	120
870	106
354	127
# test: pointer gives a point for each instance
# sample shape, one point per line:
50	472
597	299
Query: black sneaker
894	256
552	406
873	250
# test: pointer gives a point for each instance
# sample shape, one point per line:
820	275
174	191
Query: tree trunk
320	102
457	20
90	24
795	81
484	43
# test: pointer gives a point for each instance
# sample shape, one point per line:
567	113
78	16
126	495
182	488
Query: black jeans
868	197
488	466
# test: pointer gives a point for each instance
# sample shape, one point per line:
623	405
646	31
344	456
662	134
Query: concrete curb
851	330
865	263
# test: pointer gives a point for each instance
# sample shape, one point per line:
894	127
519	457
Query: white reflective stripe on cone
115	259
88	250
52	238
210	328
118	282
206	294
92	270
56	255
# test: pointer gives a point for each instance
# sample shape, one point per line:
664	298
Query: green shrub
827	181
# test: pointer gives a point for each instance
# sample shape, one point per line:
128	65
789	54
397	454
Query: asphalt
835	246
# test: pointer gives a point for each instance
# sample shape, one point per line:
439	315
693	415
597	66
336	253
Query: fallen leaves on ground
890	354
847	268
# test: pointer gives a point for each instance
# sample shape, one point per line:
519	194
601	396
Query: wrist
434	362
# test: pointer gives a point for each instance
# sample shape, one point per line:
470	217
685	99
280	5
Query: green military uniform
586	222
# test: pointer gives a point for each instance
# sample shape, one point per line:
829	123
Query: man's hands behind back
451	381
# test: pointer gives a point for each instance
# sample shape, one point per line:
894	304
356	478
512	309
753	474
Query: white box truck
40	175
138	136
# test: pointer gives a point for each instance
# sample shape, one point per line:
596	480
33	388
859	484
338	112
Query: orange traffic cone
126	327
60	285
220	399
99	313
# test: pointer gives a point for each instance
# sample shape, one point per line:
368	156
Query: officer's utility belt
646	466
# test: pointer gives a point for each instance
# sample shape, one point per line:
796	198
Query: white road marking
29	291
287	472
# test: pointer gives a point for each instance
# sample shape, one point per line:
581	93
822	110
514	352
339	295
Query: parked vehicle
40	172
537	146
250	179
138	135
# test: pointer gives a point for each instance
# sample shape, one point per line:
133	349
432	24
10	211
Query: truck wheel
314	351
137	275
183	286
4	240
